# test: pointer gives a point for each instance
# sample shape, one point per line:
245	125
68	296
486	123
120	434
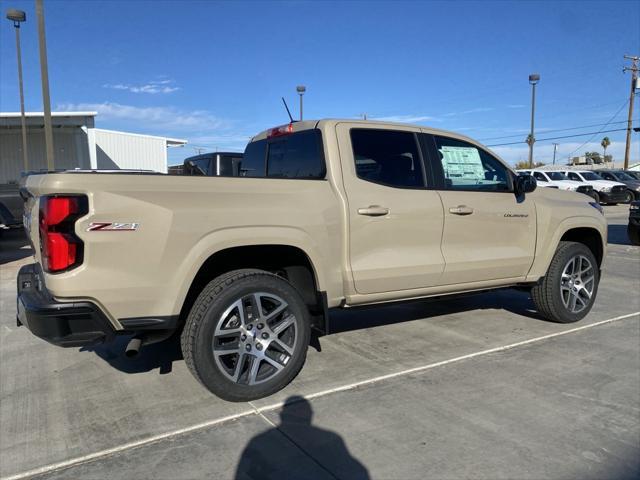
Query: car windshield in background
591	176
557	176
623	176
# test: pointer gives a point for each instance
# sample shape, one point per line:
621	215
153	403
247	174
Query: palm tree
605	143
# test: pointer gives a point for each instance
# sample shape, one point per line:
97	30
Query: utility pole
634	78
534	78
555	149
44	73
17	17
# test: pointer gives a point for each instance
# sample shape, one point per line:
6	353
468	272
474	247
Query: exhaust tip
133	347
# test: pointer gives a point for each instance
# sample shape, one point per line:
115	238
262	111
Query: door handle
373	211
461	210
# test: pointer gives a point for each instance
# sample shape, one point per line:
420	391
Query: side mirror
524	184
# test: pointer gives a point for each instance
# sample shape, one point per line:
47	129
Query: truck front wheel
568	290
246	336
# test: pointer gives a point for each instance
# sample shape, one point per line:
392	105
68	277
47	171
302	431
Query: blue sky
213	72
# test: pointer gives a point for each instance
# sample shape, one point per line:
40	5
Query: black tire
629	197
546	294
218	298
595	196
634	235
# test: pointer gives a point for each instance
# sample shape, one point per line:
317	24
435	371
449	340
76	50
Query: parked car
329	214
11	207
633	185
633	229
634	173
555	179
218	164
608	192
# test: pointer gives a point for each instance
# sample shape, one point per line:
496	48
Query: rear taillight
61	248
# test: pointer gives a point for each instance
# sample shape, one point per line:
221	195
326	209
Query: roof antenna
287	107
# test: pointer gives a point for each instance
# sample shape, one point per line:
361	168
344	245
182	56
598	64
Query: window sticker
462	163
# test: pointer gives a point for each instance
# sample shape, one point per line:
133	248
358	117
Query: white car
607	191
556	179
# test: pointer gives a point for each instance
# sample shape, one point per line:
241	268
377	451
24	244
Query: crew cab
608	192
324	214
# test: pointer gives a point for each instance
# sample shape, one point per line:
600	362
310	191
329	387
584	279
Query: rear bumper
66	324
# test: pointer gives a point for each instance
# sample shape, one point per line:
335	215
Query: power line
564	136
552	130
601	130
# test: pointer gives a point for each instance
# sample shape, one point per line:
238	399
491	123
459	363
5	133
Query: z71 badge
112	227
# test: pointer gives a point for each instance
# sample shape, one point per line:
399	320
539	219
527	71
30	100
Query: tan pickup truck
323	214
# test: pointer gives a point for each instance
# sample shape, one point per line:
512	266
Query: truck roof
298	126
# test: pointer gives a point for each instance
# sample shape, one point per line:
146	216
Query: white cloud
161	119
153	87
517	105
406	118
222	141
466	112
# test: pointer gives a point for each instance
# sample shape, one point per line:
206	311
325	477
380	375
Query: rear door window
388	157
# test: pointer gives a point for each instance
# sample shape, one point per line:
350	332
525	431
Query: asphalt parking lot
478	387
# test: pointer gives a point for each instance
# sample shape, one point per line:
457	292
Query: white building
77	144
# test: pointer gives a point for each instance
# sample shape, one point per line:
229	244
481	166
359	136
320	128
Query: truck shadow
617	235
14	245
162	355
159	355
514	301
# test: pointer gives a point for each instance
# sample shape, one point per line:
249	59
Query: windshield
557	176
622	176
591	176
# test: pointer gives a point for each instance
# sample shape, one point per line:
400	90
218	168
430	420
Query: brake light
61	248
280	131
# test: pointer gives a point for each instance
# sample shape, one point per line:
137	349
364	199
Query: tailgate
30	218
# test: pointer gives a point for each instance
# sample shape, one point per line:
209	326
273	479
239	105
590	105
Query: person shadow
297	449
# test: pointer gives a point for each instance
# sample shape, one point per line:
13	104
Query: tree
593	157
605	143
524	165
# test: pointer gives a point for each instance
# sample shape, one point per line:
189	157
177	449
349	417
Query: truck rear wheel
568	290
246	336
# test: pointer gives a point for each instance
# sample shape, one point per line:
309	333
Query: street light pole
17	17
555	149
301	89
44	73
534	78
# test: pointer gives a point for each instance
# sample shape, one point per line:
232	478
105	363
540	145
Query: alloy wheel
255	338
577	284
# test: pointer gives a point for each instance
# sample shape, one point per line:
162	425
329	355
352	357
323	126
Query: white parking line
259	411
